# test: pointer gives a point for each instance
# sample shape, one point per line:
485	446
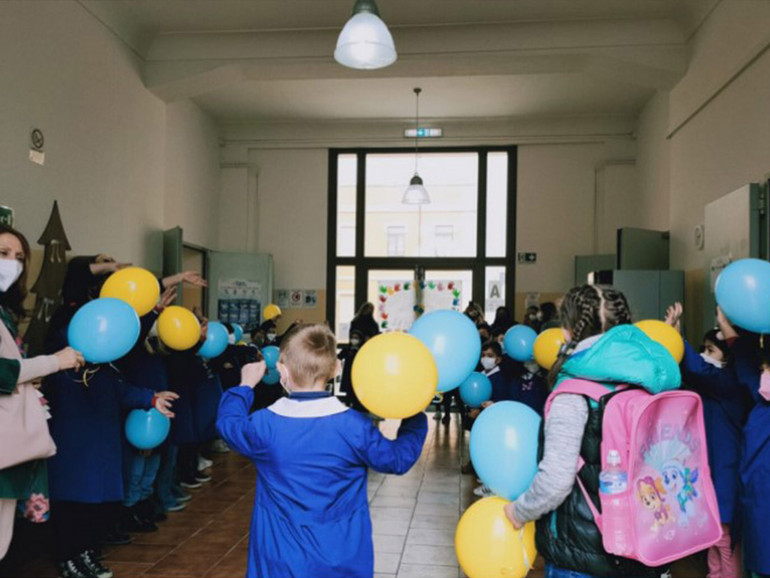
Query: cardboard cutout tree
48	286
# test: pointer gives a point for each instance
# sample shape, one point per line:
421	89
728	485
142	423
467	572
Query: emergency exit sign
527	258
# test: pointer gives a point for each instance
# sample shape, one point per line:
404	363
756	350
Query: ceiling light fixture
416	193
365	42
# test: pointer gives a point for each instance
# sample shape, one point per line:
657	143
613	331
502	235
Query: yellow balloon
487	545
134	285
664	334
547	346
271	312
394	375
178	328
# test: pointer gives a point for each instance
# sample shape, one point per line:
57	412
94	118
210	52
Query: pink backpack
670	507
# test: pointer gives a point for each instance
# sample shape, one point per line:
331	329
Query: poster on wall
296	298
398	307
239	301
282	298
311	299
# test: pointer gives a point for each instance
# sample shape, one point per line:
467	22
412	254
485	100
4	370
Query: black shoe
445	419
468	469
96	568
159	517
116	538
74	568
202	478
133	523
190	484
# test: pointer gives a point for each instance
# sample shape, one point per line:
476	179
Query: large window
460	243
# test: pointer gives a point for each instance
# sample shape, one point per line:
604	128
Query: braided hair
586	311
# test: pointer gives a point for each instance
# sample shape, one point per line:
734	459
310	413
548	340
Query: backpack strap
594	391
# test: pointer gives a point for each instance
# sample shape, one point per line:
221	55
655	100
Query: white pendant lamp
365	42
416	193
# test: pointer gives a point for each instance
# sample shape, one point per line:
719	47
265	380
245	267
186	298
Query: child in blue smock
311	514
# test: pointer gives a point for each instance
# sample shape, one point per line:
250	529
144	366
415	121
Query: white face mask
10	271
488	363
708	359
271	336
230	339
532	366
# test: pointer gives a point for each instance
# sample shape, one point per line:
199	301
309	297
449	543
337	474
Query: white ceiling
272	59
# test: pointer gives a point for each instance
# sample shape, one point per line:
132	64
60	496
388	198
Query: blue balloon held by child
519	343
104	330
503	447
476	389
743	292
216	341
237	332
146	430
453	341
271	354
271	377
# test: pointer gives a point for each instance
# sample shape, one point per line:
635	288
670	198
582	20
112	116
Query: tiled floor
414	518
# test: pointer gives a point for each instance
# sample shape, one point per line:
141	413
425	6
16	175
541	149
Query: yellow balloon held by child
488	546
134	285
271	312
394	375
664	334
547	346
178	328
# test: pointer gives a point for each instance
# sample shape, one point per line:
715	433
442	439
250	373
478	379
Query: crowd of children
312	451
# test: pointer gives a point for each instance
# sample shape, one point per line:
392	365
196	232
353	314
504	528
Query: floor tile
422	554
426	571
431	537
386	562
388	543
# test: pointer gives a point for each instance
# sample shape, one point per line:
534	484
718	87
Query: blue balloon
237	332
216	341
476	389
271	377
271	354
519	342
503	447
104	330
454	342
743	292
146	430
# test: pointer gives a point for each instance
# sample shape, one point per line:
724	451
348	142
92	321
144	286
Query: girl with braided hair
605	348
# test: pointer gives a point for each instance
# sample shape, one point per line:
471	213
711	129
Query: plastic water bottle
613	483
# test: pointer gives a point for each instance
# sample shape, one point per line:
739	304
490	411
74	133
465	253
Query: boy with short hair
311	513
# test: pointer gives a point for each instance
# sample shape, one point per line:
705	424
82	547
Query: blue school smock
311	513
755	461
527	388
87	426
182	369
725	407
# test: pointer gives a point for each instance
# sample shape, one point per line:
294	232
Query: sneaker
190	484
185	497
74	568
203	463
483	492
202	478
445	419
96	568
468	469
437	415
219	447
116	538
133	523
178	507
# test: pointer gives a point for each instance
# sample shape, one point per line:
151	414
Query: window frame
476	263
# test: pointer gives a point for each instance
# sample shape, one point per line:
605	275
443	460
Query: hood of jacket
625	355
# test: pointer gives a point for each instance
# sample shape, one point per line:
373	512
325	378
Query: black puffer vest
568	537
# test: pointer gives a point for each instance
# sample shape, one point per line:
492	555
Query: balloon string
527	561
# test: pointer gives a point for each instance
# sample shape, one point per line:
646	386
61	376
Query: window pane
392	292
447	290
345	302
347	174
445	227
494	288
497	203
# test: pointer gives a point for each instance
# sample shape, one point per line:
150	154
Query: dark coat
725	407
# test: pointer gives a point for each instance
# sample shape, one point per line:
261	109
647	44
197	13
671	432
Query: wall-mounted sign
6	215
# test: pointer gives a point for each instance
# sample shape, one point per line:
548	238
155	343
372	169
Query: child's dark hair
713	335
586	311
493	346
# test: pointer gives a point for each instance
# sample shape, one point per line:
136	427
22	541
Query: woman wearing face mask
24	481
726	406
347	355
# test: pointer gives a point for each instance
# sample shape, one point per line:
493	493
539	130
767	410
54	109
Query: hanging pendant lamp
365	42
416	193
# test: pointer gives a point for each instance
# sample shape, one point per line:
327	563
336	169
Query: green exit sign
6	215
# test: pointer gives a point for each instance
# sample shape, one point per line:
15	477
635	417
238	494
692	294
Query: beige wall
121	163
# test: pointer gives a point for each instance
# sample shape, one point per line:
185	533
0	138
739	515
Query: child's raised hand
727	329
674	316
163	401
252	373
